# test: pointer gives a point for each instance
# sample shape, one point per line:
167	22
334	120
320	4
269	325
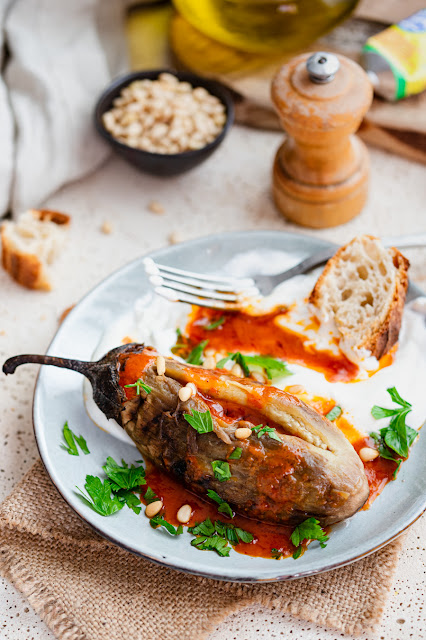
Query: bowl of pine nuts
164	122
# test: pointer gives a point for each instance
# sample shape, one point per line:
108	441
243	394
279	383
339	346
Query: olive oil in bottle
265	26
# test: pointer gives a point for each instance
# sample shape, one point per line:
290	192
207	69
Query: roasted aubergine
301	465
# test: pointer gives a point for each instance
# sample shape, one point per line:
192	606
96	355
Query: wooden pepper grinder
320	174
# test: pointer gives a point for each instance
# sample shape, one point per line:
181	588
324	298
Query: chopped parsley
200	421
158	521
397	436
150	496
334	413
196	355
273	368
215	324
275	554
223	505
270	431
208	535
124	477
100	497
235	454
130	499
310	529
72	441
138	385
221	470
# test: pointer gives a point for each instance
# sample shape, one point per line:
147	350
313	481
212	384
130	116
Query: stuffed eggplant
286	461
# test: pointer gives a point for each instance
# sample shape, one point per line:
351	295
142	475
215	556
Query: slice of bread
361	293
31	244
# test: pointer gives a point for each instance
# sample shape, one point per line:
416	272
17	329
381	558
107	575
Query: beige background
230	191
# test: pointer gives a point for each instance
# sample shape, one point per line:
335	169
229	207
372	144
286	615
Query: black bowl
162	164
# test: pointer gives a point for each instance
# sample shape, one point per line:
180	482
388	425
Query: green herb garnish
196	355
124	477
275	554
215	324
221	470
235	454
158	521
272	367
334	413
100	497
207	534
310	529
130	499
270	431
397	436
138	385
223	506
150	496
200	421
72	441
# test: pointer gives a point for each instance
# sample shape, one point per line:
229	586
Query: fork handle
316	259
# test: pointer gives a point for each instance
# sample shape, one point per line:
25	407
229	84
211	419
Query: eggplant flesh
312	470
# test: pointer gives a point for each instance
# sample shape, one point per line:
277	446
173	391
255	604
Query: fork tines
216	292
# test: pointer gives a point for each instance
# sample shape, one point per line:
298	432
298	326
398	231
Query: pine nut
193	388
209	363
156	207
161	365
153	508
242	433
237	371
258	376
106	227
185	393
184	514
209	352
367	454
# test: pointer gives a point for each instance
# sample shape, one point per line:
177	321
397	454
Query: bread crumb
106	227
174	237
2	332
155	207
65	312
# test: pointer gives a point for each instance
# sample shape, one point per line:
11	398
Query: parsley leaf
235	454
129	498
275	554
100	498
273	368
215	324
397	436
196	355
150	496
223	506
124	477
221	470
200	421
334	413
261	431
212	543
72	441
139	384
310	529
158	521
207	532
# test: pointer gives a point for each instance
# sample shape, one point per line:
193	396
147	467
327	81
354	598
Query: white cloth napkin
61	55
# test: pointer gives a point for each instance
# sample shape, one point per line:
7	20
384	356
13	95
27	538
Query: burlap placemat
85	588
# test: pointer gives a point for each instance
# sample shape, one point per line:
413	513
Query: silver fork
229	292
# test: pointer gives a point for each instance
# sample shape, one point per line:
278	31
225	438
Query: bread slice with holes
30	245
361	294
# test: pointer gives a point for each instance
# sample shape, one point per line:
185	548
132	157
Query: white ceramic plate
58	397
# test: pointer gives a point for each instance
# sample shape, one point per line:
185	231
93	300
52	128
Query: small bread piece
361	294
31	244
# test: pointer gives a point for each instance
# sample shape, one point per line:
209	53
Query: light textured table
231	191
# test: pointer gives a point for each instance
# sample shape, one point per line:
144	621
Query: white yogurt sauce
154	320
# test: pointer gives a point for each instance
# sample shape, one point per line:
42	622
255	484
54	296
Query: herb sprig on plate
72	441
214	536
397	437
273	368
309	529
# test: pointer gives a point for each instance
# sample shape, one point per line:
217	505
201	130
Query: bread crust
380	342
26	268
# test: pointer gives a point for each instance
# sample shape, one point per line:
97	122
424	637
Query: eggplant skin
284	482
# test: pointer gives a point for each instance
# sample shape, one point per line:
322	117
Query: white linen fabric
61	55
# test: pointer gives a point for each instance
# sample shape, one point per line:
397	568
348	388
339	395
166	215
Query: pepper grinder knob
320	174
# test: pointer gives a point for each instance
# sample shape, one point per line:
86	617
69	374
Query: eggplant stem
80	366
